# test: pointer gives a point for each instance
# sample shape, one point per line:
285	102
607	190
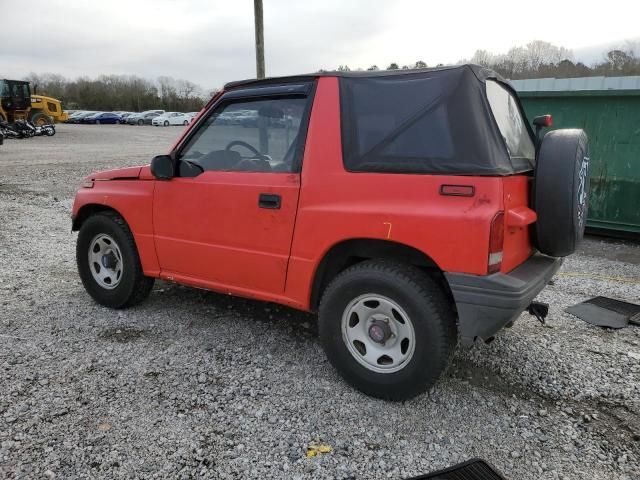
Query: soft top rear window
510	121
431	122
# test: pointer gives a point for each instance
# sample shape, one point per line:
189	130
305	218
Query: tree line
120	92
539	59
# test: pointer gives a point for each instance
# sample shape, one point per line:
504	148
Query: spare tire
561	192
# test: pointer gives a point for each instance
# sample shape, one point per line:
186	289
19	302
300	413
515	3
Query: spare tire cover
561	192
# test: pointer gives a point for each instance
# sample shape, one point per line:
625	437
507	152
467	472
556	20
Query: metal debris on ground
474	469
606	312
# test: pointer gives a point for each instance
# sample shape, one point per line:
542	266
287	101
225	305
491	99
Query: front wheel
108	262
388	328
140	122
39	119
166	123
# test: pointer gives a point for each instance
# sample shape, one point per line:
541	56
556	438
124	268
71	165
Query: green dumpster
611	118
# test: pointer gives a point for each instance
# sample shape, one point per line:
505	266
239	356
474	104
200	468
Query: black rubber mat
606	312
474	469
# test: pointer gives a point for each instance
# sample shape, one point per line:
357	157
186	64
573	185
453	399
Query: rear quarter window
510	121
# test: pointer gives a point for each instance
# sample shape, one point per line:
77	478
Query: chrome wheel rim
378	333
105	261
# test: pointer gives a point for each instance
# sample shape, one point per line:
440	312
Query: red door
227	230
226	220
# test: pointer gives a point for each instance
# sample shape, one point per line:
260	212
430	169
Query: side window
248	135
510	122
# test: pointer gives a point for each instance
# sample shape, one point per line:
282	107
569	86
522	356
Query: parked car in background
144	118
125	116
78	117
72	115
103	118
171	118
231	118
161	119
249	119
85	118
193	116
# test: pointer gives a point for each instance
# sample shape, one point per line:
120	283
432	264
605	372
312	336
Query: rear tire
140	122
421	319
106	234
166	123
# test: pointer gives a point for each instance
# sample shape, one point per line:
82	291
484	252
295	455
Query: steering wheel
240	143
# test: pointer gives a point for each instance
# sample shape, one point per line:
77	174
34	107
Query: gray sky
210	42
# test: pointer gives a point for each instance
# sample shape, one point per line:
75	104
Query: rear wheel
185	123
108	262
140	122
166	123
388	328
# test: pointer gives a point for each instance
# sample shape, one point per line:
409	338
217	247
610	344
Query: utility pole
257	7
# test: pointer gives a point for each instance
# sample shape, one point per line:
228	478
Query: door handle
268	200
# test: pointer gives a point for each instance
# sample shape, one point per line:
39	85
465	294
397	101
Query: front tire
39	119
388	328
108	262
140	122
166	123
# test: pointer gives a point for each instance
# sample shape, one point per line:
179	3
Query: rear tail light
496	241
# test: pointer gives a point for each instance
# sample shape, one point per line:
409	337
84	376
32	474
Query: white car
171	118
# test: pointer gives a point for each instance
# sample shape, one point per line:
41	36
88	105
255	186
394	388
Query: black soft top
430	121
481	72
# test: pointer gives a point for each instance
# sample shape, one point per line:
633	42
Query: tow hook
539	310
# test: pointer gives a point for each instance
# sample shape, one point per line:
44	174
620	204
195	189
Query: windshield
510	121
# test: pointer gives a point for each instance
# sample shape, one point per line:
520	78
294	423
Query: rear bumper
486	304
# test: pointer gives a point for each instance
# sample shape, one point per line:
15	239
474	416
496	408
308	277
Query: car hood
128	173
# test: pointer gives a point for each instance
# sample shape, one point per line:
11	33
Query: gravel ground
193	383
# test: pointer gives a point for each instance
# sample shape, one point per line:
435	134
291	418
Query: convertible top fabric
433	122
429	121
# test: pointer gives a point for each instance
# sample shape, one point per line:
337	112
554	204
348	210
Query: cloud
211	42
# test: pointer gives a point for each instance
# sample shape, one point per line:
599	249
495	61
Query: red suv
411	209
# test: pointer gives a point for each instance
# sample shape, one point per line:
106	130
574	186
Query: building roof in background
576	84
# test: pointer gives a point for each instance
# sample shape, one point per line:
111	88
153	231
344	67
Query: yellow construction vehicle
16	102
45	108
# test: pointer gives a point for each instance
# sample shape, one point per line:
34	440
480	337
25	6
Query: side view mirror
162	167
